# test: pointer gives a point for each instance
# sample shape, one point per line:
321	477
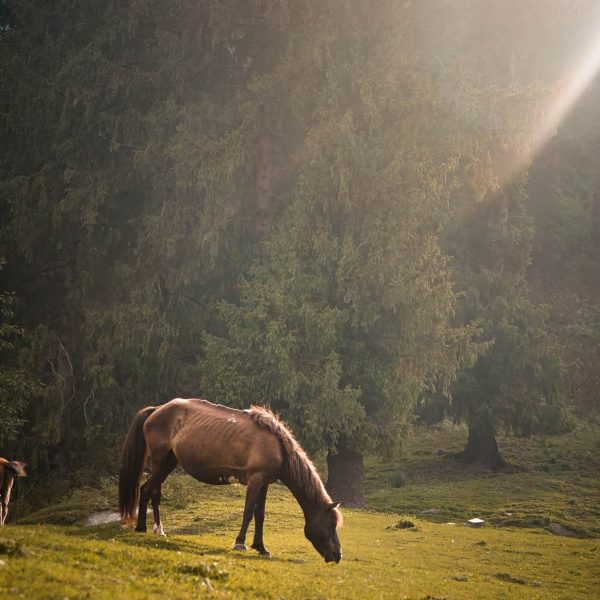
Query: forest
367	215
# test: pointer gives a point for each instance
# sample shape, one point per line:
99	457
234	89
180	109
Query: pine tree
17	386
518	384
129	196
343	320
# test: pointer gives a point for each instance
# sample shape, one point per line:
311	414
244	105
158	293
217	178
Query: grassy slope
435	559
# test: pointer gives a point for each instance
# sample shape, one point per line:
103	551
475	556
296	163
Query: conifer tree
343	320
518	384
129	196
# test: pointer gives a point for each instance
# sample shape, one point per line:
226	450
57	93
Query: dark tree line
304	205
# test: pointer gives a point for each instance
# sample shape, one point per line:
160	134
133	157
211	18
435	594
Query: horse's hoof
158	530
141	529
240	547
262	551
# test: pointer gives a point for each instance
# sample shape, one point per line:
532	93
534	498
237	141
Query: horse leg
163	469
255	485
5	497
143	507
259	519
150	490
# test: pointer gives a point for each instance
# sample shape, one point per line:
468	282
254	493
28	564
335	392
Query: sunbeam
556	107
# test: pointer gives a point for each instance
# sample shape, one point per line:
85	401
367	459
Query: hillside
513	556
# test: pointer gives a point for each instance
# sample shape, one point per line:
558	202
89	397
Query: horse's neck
307	504
308	499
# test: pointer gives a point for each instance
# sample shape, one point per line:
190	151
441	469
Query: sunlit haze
557	106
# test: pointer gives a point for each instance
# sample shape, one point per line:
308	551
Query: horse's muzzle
334	556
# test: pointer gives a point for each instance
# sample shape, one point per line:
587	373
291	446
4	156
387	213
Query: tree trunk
595	229
264	174
346	478
482	448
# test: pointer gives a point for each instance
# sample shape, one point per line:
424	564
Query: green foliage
127	179
343	318
17	386
565	202
246	201
519	382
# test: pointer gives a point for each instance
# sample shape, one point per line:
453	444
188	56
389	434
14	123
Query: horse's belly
208	468
217	476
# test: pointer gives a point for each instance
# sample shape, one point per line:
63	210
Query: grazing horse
216	444
8	471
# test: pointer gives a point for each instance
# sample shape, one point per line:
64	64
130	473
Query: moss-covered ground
51	554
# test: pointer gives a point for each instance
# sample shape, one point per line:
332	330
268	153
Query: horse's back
213	442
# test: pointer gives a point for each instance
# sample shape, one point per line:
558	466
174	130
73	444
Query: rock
558	529
476	522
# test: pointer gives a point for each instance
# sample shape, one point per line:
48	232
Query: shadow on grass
173	544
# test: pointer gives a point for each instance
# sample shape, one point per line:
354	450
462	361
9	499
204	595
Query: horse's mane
301	467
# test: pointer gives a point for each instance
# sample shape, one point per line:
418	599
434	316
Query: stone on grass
558	529
476	522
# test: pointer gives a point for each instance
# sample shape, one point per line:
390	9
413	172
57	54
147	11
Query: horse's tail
17	467
133	459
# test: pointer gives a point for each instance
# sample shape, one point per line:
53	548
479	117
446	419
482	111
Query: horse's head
320	529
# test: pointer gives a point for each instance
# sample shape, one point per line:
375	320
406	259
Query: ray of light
558	106
569	93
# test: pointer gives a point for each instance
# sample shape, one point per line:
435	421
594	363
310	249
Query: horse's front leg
259	519
255	484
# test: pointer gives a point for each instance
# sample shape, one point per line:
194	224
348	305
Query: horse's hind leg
163	468
143	508
163	463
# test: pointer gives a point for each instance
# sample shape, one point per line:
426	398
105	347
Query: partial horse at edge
8	471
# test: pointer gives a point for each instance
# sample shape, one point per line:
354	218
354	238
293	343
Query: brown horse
8	471
216	444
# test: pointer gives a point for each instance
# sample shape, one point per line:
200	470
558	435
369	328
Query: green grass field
51	554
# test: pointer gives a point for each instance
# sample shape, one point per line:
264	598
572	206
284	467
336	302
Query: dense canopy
333	209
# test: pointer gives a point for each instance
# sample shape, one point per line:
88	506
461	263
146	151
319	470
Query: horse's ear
334	505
